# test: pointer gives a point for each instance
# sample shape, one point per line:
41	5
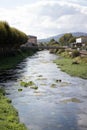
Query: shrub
60	51
75	53
65	54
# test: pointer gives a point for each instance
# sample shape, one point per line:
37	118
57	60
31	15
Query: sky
45	18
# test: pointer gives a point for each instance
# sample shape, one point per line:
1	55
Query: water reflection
55	105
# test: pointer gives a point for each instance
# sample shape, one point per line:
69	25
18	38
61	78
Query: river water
59	103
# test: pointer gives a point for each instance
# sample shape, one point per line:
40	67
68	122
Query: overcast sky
44	18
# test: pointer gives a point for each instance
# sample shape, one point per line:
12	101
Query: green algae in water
26	84
43	84
20	89
53	86
34	87
75	100
63	84
40	76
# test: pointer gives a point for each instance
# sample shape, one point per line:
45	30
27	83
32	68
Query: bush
60	51
65	54
10	38
75	53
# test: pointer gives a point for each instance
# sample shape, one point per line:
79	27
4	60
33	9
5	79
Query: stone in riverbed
58	80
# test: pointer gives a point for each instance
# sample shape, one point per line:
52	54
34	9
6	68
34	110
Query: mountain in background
57	37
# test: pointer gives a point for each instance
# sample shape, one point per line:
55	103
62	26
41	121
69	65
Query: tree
52	40
72	39
64	40
10	38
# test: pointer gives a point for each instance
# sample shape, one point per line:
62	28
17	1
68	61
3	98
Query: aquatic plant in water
26	84
34	87
53	85
20	89
30	84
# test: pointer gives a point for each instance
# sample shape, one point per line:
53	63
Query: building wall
78	40
32	39
81	40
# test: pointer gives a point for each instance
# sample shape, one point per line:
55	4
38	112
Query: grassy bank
66	65
8	115
9	62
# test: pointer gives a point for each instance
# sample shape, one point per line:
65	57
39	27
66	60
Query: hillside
76	34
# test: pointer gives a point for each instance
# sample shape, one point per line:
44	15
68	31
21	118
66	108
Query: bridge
52	47
46	47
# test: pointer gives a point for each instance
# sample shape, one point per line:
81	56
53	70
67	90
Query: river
59	103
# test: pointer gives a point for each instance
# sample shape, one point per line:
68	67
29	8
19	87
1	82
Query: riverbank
8	115
9	62
73	66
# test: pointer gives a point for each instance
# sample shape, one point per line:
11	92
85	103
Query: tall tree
64	40
10	38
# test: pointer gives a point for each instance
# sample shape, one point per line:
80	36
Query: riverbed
59	103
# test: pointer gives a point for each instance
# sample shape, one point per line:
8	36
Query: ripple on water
82	121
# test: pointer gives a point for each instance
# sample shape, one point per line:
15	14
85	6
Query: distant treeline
10	38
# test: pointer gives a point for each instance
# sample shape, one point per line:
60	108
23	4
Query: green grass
79	70
8	115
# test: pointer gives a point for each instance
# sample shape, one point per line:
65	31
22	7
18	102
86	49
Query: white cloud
47	18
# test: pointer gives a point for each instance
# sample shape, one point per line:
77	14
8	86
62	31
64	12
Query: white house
81	40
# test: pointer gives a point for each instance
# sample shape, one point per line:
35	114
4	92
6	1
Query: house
32	39
81	40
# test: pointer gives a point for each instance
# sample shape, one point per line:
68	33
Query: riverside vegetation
10	41
8	115
10	55
9	62
72	63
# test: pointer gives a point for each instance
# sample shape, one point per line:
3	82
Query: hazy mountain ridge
76	34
